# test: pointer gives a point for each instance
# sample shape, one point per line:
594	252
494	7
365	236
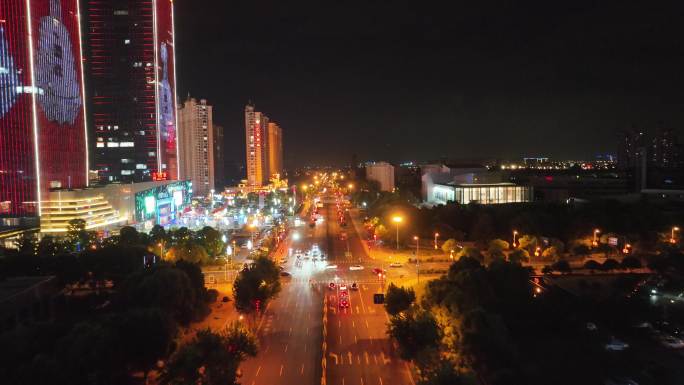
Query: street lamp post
436	235
594	242
161	246
672	234
397	220
417	261
515	234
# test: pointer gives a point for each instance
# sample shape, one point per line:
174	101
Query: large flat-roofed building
482	193
444	184
383	173
113	205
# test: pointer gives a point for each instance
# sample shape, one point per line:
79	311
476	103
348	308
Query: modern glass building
42	113
480	193
130	63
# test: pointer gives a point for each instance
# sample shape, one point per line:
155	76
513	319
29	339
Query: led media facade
166	89
42	128
162	204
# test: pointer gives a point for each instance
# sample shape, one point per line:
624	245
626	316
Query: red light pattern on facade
60	157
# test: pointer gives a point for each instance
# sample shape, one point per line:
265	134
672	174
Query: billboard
162	204
42	126
166	88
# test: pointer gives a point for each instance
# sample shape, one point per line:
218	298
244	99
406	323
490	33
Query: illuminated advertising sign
162	204
166	88
42	114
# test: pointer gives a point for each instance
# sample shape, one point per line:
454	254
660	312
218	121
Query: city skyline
427	83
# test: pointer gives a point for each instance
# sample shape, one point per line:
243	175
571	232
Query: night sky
401	80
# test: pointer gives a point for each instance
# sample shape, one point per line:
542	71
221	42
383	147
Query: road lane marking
375	358
281	370
339	324
290	332
304	348
408	373
380	378
340	339
286	348
349	355
302	371
353	324
367	327
355	340
258	370
358	359
361	380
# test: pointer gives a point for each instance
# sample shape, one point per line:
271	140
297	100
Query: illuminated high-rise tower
43	138
130	65
255	136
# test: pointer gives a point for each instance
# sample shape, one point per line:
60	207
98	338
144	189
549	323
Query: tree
631	262
496	249
449	245
210	239
561	266
550	254
415	333
256	285
162	286
610	264
528	242
27	244
445	373
148	336
592	265
398	299
381	232
187	251
211	358
581	250
471	252
519	256
128	235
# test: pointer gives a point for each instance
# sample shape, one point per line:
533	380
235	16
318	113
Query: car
331	267
378	270
225	299
344	302
331	286
591	326
343	287
355	267
671	342
616	345
285	274
395	264
354	286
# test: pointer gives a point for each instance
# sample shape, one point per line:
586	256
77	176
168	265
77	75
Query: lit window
99	144
113	144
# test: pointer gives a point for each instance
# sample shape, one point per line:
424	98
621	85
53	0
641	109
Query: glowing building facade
43	138
130	62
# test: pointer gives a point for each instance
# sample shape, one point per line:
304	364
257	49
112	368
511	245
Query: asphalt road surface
358	351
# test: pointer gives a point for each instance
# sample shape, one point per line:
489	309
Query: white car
355	267
616	345
331	267
672	342
395	264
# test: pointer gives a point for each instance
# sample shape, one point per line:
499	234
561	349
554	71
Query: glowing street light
595	241
515	234
672	234
397	220
627	248
436	236
537	251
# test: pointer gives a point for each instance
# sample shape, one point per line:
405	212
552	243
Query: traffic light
378	298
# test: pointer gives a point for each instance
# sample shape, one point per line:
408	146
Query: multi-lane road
291	335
